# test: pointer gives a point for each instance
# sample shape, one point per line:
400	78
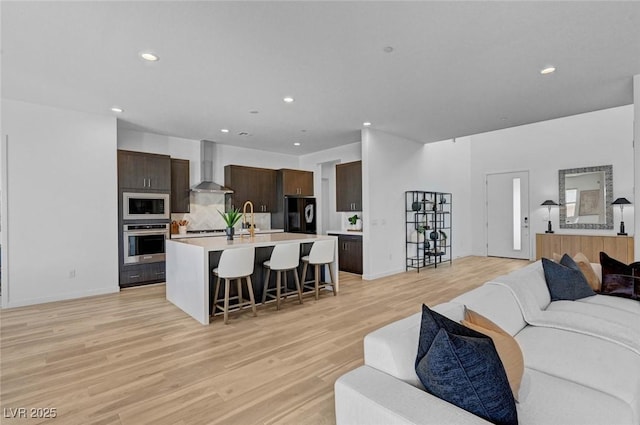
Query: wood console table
618	247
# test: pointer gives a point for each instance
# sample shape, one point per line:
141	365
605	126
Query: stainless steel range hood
207	159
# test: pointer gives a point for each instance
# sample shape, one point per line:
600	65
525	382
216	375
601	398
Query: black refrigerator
299	215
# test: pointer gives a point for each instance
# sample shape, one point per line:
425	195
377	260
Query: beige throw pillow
585	267
587	270
507	347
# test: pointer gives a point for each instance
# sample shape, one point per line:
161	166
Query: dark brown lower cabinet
350	253
139	274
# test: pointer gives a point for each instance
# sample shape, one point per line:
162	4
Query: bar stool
284	258
322	252
236	264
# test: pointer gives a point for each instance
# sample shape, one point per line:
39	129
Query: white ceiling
457	68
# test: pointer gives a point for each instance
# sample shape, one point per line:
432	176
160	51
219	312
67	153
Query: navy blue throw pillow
431	323
565	283
619	279
467	372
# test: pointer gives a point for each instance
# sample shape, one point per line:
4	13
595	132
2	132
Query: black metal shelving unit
428	229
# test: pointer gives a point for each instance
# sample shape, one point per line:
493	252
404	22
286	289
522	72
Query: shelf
422	251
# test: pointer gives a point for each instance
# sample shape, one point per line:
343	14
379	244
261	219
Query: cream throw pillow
507	347
587	270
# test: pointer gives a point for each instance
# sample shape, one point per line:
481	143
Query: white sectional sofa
582	360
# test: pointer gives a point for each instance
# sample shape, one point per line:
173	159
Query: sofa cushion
606	314
507	347
550	400
368	396
496	303
467	372
531	278
592	362
618	303
620	279
394	347
565	280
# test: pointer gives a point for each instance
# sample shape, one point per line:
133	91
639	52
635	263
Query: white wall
591	139
636	166
61	191
323	166
391	165
176	147
446	169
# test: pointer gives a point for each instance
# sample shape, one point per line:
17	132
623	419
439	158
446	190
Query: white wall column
636	164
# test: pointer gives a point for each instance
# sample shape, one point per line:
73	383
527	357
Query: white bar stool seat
236	263
322	252
284	258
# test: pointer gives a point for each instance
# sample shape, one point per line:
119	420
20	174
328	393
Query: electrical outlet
72	273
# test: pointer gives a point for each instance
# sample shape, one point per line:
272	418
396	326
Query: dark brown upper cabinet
349	186
145	172
180	189
257	185
294	182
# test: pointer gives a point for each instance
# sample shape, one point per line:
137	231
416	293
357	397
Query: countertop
260	240
219	235
345	232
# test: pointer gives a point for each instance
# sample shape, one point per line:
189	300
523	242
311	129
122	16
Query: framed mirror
585	197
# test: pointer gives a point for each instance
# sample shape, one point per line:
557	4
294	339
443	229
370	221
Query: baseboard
61	297
382	274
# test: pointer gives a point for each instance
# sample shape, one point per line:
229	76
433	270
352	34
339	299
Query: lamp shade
621	201
549	202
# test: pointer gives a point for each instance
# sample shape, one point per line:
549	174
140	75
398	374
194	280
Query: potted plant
231	218
353	222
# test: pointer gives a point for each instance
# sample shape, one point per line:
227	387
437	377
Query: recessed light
254	112
148	56
548	70
388	49
296	144
224	130
366	124
288	99
116	109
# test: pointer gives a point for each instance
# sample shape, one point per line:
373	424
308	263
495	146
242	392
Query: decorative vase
229	231
433	235
416	206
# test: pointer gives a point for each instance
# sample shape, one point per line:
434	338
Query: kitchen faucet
244	220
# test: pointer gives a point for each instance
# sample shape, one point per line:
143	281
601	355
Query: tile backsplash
204	213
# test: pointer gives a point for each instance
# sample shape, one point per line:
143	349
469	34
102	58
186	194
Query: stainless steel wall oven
145	243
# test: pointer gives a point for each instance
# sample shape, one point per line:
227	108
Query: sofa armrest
368	396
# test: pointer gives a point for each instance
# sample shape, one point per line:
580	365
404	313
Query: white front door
508	215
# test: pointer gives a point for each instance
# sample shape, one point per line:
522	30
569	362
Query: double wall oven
146	227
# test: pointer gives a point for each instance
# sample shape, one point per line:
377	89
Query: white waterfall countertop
345	232
222	234
259	240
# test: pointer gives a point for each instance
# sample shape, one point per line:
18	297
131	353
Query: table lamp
549	203
622	202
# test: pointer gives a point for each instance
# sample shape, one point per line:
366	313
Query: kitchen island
189	263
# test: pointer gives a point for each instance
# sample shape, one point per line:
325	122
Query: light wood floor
133	358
